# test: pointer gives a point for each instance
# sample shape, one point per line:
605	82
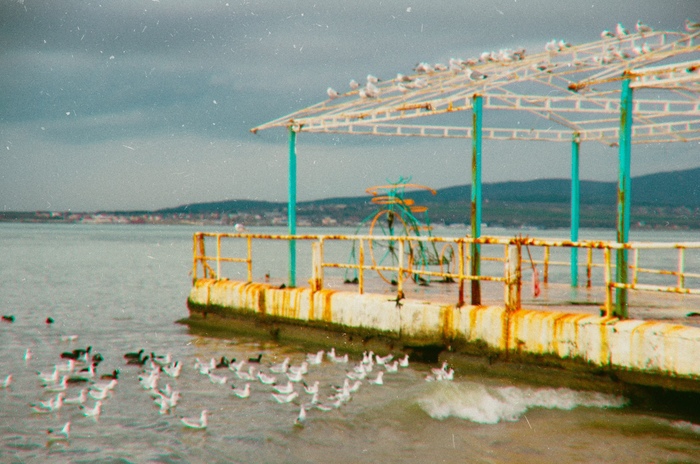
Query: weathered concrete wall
640	346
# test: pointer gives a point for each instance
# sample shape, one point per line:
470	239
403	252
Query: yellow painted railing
509	252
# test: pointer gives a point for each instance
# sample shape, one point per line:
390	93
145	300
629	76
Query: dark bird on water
255	360
49	320
113	376
8	318
76	353
128	356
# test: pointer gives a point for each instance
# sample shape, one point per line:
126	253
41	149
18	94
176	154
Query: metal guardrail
511	256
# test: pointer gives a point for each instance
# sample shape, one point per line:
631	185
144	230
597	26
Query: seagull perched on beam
620	31
691	26
642	28
332	93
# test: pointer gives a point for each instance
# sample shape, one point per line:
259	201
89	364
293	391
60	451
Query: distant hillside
670	189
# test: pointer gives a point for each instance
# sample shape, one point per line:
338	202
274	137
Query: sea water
120	288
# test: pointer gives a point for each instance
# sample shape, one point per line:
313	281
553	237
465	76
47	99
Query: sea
122	288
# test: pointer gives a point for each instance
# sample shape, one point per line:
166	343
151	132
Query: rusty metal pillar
292	206
623	198
476	198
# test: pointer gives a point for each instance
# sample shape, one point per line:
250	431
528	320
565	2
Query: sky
148	104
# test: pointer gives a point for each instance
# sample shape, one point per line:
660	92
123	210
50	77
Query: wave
489	405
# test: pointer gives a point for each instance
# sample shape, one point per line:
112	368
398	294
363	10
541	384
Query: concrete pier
642	352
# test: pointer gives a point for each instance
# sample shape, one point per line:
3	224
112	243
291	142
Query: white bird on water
284	389
315	359
80	399
194	423
301	418
280	368
7	382
59	435
239	228
285	398
266	379
403	362
93	412
311	389
242	392
217	379
379	380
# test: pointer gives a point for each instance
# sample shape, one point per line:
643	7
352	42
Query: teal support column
292	206
476	197
623	198
575	205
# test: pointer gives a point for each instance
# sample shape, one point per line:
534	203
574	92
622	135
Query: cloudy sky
144	104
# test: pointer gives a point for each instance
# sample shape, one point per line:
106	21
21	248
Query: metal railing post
575	205
249	259
477	106
218	256
623	198
361	270
681	267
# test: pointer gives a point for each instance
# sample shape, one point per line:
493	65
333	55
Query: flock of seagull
405	83
74	382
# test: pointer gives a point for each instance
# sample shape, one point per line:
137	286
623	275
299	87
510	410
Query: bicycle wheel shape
387	251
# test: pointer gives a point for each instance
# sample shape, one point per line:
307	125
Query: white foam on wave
490	405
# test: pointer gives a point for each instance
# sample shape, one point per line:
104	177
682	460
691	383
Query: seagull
284	389
239	228
59	435
403	362
68	367
313	389
48	378
69	338
371	90
7	382
606	34
280	368
384	359
242	392
379	380
98	394
691	26
102	386
256	360
80	399
551	46
299	421
193	423
391	368
315	359
354	85
280	398
250	375
28	355
236	367
217	379
8	318
332	93
295	377
372	79
642	28
266	379
162	360
59	387
356	375
93	412
355	387
620	31
173	369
